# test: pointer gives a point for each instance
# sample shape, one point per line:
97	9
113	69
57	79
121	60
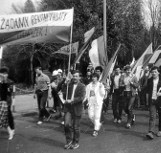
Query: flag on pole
143	59
87	37
88	34
97	52
109	65
66	49
154	57
1	52
133	62
50	26
112	66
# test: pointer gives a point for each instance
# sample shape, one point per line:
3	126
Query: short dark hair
117	67
155	68
76	71
127	67
95	75
4	70
38	67
99	68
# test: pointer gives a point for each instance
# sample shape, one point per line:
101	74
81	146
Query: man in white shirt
154	91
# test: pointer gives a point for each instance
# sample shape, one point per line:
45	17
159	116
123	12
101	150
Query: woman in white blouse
95	93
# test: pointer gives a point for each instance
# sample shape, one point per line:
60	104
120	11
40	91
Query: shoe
119	121
115	120
48	119
62	123
11	133
159	134
74	146
95	133
128	125
133	120
39	122
150	135
68	145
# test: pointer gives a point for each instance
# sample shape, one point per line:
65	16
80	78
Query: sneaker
95	133
68	145
133	120
39	122
74	146
119	121
115	120
150	135
159	134
62	123
48	119
11	133
128	125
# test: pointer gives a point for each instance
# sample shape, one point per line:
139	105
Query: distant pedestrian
42	92
6	92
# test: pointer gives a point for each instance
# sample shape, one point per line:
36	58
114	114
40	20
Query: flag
112	66
158	63
1	52
109	65
97	52
154	57
85	46
143	59
88	34
50	26
66	49
133	62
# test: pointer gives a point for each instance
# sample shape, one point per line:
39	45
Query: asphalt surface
49	137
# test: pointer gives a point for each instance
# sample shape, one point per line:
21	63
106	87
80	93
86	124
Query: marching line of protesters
73	92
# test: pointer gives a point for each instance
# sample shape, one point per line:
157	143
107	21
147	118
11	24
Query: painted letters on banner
51	26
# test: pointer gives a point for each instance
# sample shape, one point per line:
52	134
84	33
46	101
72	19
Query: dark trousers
152	112
72	127
42	99
117	104
10	119
128	105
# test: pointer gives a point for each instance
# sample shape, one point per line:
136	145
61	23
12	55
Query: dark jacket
76	106
150	90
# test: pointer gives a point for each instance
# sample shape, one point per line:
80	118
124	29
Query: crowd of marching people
72	91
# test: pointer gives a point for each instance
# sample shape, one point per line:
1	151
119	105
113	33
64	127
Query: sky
6	5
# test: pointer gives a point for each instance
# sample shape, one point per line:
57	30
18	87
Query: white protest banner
51	26
66	49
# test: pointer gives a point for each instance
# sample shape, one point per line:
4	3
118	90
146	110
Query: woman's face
94	79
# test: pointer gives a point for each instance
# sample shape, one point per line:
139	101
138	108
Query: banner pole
69	62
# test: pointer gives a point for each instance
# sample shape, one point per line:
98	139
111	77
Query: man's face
38	71
128	71
117	71
146	69
76	77
155	73
89	74
98	72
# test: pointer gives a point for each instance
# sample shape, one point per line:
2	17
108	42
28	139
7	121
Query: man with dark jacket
73	109
154	91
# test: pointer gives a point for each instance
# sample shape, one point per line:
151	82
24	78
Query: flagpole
69	62
105	27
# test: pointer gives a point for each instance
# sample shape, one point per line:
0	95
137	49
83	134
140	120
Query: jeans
128	106
117	104
42	99
72	125
152	113
10	119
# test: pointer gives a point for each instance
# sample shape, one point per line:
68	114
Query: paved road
49	137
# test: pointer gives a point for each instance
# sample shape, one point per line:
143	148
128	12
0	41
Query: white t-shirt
154	93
